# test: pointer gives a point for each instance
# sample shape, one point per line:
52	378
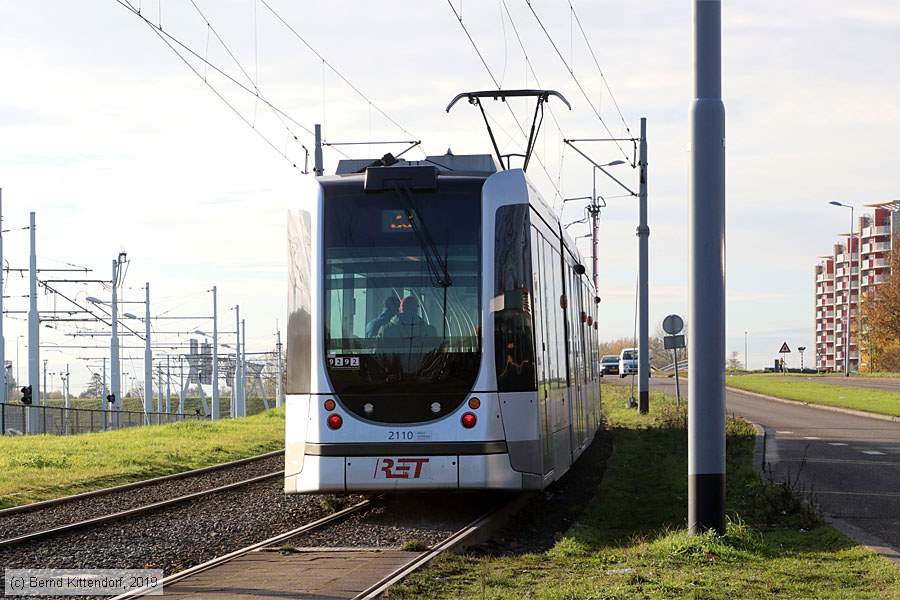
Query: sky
119	145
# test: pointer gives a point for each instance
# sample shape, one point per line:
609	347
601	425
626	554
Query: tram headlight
368	408
334	421
435	407
468	420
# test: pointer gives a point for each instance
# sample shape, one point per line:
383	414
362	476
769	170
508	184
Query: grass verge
796	388
631	540
40	467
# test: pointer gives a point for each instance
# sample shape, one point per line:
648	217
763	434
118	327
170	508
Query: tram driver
408	324
391	308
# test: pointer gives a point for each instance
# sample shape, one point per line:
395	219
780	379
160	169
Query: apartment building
856	264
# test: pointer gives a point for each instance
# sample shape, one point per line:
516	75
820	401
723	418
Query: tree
734	363
880	311
94	388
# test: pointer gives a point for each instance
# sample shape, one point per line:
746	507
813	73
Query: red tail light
334	421
468	420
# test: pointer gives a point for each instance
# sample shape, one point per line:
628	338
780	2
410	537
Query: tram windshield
402	291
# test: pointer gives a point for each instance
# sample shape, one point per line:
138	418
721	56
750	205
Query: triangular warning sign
784	349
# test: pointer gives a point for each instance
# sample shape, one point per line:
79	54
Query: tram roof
462	164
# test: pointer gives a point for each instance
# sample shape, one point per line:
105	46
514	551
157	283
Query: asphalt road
848	464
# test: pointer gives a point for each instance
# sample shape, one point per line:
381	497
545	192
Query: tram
442	333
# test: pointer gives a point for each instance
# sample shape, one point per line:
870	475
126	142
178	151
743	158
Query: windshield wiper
438	267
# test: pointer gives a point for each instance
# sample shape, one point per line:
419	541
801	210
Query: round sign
673	324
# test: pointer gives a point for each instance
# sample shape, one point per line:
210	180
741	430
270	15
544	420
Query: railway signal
26	395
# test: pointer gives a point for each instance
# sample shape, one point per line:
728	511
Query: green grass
798	388
40	467
631	541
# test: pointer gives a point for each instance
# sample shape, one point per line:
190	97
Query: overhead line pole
5	387
34	324
643	233
706	403
214	410
148	359
115	371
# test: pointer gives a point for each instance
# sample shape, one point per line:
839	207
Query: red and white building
857	264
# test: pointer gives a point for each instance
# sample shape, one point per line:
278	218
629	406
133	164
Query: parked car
609	365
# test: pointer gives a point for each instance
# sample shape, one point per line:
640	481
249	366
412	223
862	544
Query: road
850	463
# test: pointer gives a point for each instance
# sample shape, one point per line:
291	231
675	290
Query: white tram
442	333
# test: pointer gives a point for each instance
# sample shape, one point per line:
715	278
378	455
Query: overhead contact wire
577	82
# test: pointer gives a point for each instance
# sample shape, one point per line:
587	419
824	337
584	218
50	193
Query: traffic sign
784	349
673	324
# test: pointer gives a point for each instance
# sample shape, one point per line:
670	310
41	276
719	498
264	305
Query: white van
628	362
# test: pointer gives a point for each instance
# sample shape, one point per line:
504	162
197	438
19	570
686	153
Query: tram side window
560	315
513	301
540	310
551	306
572	315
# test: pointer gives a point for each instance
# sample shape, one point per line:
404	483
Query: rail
116	516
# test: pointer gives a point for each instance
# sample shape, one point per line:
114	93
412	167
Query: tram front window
402	291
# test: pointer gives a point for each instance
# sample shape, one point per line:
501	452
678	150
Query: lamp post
148	355
214	413
279	390
746	359
849	289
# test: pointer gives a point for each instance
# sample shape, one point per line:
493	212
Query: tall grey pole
279	390
236	391
706	403
3	388
103	399
44	395
594	209
34	324
115	370
168	384
148	357
243	351
319	168
181	383
66	388
643	233
214	411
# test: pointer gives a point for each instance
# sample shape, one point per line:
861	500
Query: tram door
545	345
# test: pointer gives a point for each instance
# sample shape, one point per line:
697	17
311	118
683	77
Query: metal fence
19	419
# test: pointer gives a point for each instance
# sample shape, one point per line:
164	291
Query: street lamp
643	233
849	289
115	372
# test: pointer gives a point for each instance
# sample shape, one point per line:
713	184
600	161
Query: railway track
33	522
344	554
